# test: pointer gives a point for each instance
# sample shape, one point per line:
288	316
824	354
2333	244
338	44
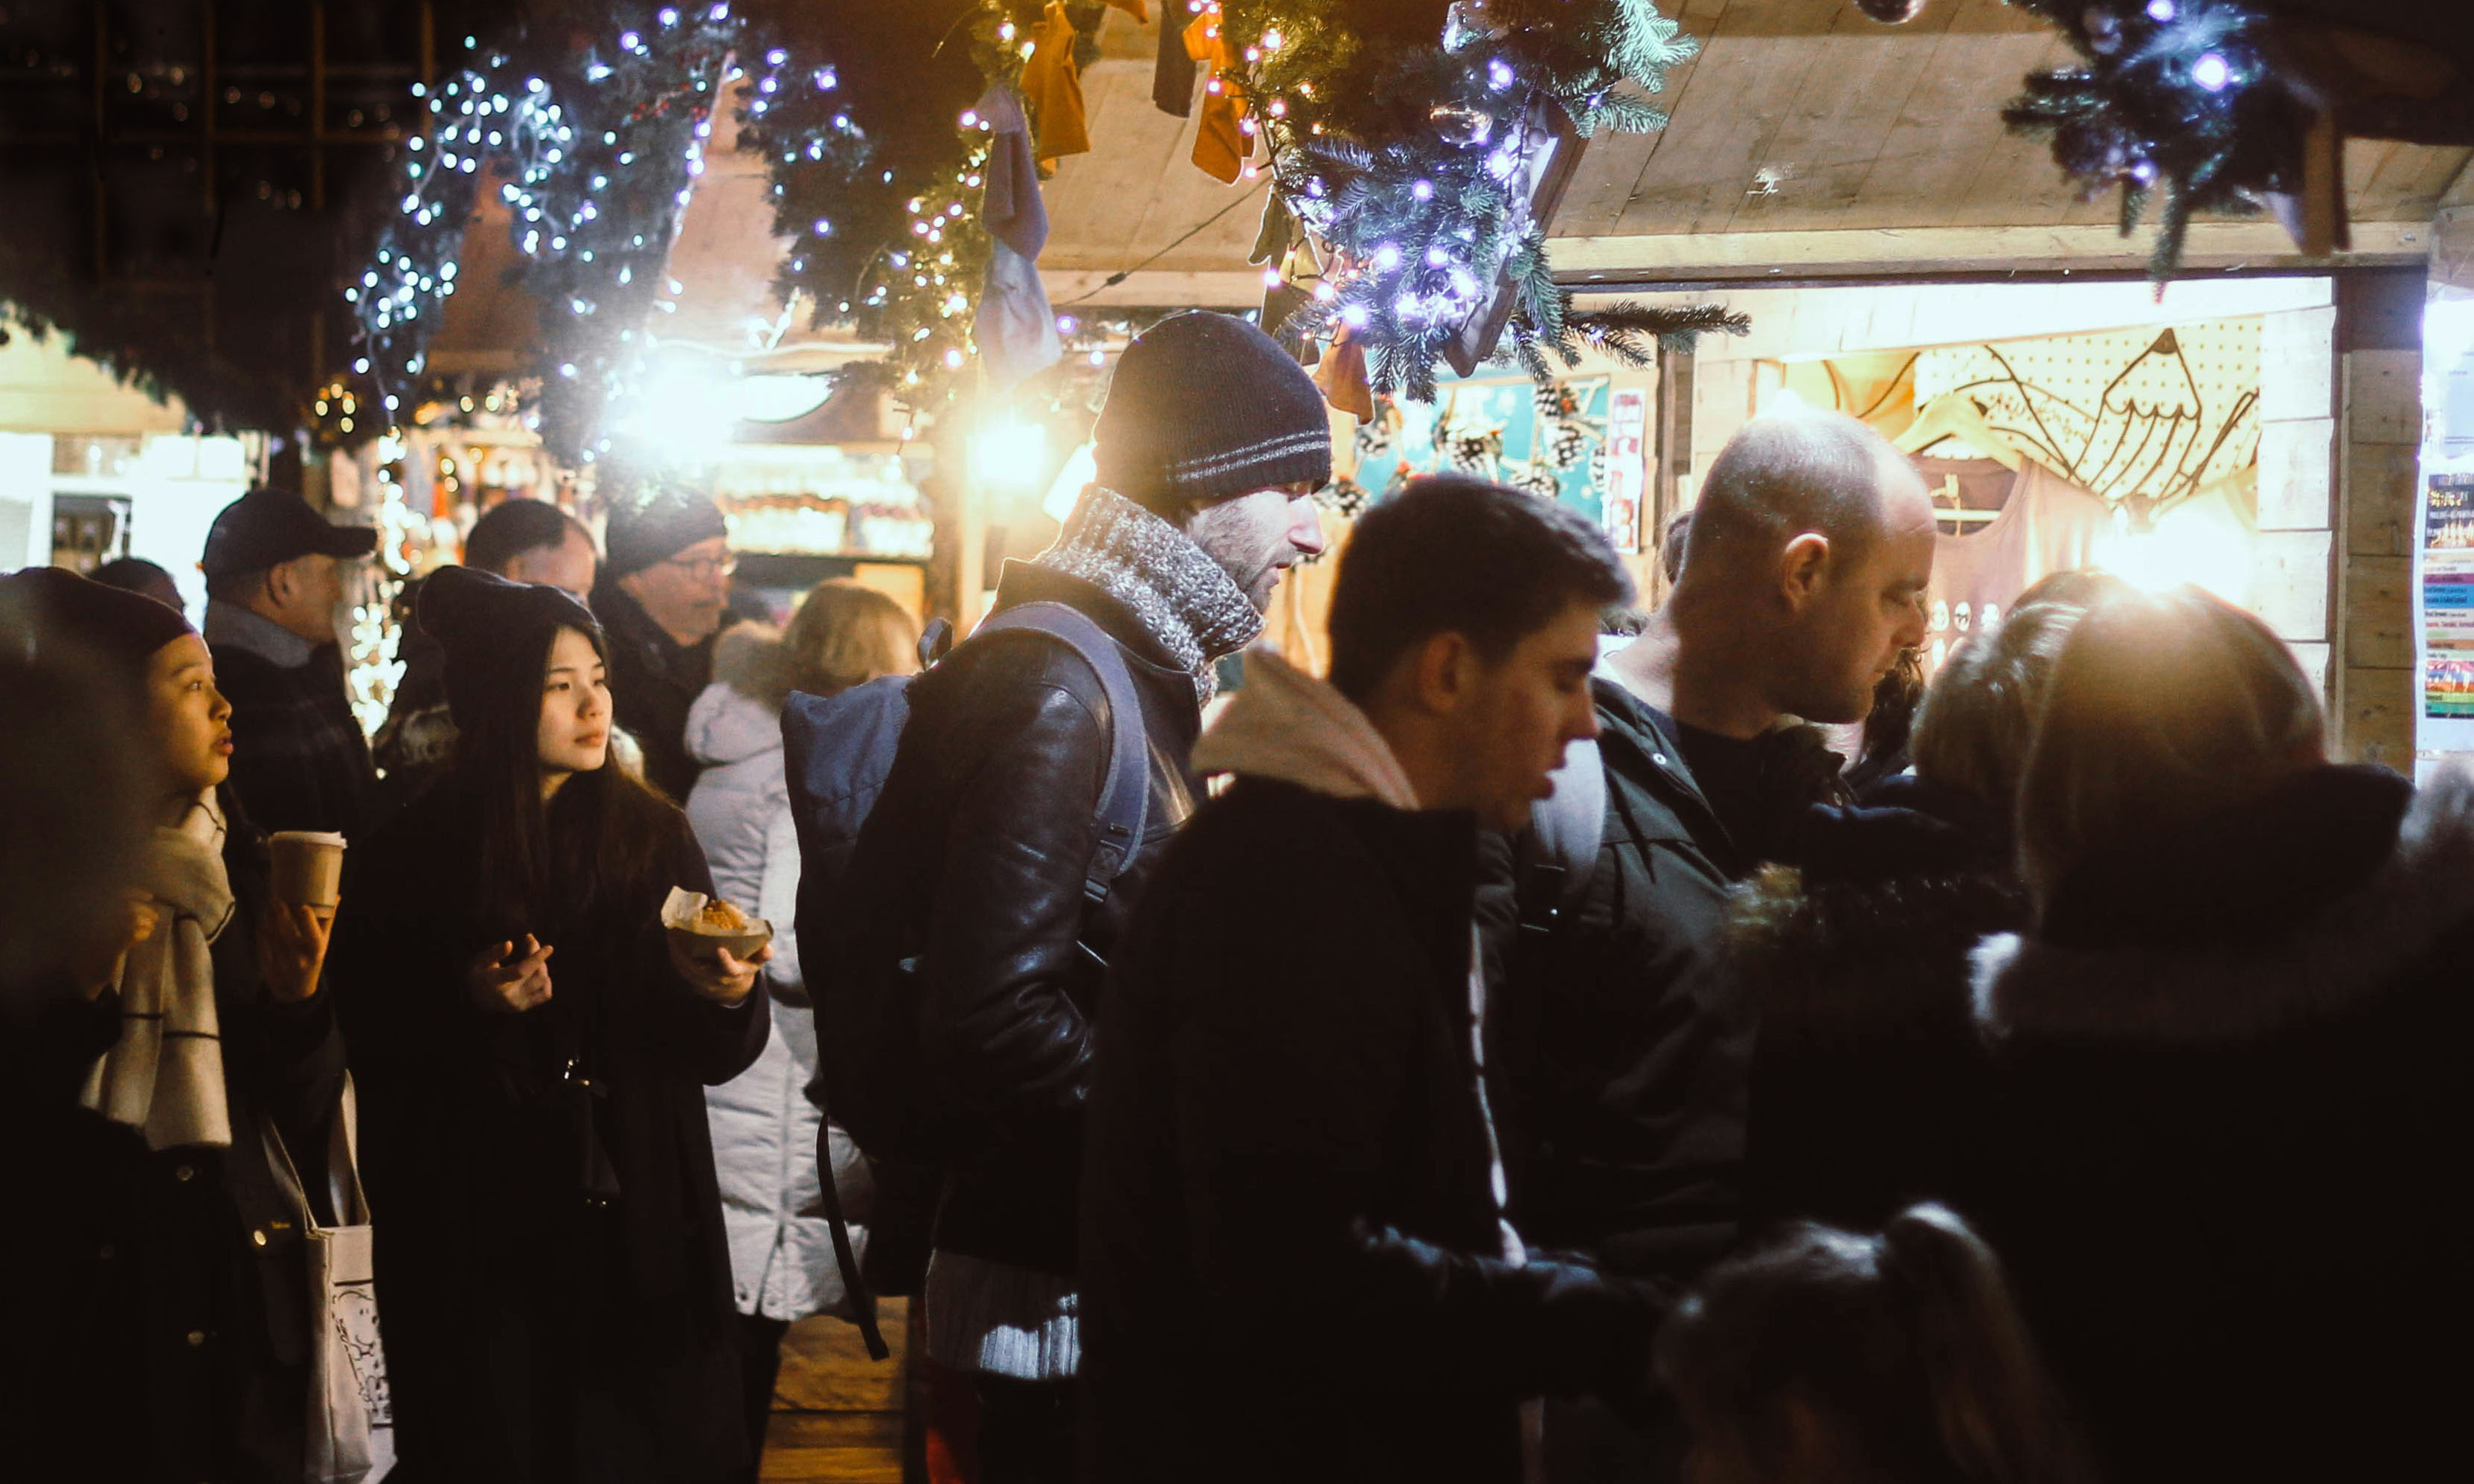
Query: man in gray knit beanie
972	869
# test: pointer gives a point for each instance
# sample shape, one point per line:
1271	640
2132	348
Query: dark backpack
871	1077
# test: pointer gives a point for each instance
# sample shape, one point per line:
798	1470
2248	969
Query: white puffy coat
763	1126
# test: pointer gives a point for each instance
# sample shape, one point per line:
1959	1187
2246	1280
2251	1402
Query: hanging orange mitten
1221	147
1053	85
1340	374
1134	8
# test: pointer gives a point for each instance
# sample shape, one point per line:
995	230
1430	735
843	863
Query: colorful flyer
1627	466
2444	604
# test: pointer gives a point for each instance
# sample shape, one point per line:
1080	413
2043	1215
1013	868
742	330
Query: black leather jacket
974	859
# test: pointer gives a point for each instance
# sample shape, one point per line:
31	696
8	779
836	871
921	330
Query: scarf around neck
164	1077
1180	596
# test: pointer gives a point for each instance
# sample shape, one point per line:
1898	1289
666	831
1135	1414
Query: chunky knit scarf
164	1077
1175	591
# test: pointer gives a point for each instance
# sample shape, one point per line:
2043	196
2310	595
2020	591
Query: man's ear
1803	566
1443	672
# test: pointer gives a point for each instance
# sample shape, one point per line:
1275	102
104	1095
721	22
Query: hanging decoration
592	150
1404	139
2232	105
880	126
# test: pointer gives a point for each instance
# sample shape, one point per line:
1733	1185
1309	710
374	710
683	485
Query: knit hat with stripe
1207	406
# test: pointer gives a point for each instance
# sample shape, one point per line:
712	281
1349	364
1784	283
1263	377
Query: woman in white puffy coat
763	1126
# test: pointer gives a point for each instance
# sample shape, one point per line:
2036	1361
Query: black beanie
491	628
655	524
114	626
1205	406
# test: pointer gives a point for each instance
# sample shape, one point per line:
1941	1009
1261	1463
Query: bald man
1624	1066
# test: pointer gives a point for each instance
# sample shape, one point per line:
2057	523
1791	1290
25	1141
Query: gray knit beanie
1205	406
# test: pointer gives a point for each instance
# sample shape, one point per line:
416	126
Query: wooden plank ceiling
1798	116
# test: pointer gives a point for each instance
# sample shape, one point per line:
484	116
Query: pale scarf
164	1077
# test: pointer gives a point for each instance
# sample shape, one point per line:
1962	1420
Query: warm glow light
1008	455
1082	468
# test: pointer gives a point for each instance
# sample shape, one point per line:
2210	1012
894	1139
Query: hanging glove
1172	78
1221	147
1342	376
1052	83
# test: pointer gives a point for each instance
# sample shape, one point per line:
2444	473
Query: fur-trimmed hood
2343	956
730	721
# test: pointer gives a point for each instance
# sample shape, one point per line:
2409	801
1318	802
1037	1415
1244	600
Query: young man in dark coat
975	858
663	594
1296	1258
274	579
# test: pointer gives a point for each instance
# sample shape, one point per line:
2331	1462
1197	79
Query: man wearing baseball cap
274	576
975	865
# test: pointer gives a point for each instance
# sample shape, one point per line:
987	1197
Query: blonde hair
1972	730
2162	708
844	634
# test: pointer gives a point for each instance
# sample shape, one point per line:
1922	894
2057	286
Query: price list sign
2447	602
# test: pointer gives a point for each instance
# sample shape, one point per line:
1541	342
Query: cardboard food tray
679	914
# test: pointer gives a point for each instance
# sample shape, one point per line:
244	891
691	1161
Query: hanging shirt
2043	524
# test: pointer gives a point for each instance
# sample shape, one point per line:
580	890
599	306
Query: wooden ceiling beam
1769	257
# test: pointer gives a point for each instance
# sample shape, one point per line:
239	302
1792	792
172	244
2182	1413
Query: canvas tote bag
351	1422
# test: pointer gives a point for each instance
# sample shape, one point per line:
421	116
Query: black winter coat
974	860
1292	1257
1624	1058
654	680
1869	1084
299	760
157	1321
531	1333
2235	1118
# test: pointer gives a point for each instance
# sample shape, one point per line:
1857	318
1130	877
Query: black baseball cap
265	528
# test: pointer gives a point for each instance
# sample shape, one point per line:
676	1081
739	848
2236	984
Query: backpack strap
1559	852
1125	799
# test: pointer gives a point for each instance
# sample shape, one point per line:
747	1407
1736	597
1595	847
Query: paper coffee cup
308	867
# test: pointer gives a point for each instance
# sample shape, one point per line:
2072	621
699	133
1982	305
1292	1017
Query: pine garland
1403	156
2178	101
878	161
597	147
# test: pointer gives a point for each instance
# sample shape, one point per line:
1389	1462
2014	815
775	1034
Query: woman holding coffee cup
208	1034
533	1051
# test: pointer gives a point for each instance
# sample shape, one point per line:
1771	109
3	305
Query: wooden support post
2378	434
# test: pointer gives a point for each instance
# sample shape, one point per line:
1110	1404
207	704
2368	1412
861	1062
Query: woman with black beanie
533	1053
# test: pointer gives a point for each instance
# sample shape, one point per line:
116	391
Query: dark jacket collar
2321	898
1634	730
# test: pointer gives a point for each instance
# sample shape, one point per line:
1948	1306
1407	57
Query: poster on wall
1552	441
1627	466
2444	595
2444	536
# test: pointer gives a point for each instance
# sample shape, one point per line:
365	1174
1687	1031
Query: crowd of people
1519	1053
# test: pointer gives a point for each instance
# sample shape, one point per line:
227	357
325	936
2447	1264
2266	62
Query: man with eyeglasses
662	597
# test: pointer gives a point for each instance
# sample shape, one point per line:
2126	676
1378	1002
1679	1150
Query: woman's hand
502	980
719	976
292	948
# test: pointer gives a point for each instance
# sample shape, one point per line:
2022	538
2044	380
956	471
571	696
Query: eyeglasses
703	569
